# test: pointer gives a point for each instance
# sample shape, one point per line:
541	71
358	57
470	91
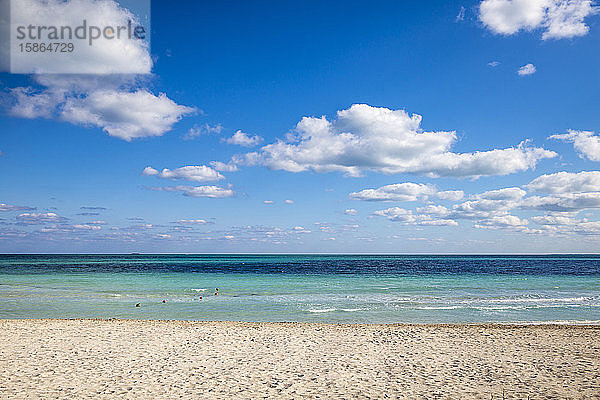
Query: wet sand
135	359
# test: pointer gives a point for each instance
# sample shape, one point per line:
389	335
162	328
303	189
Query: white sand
168	359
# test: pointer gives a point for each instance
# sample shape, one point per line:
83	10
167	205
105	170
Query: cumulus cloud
121	109
505	194
566	182
487	209
564	203
557	18
119	102
504	221
586	143
123	55
566	195
39	218
450	195
9	207
214	192
350	211
243	139
288	201
527	69
197	173
409	218
199	130
568	192
565	224
407	191
192	221
125	115
86	227
365	138
224	167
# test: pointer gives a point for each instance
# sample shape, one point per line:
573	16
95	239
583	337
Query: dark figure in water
164	301
137	305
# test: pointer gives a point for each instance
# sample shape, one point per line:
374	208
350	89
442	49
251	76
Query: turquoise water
352	289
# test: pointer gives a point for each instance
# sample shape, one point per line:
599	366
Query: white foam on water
540	300
199	290
324	310
557	322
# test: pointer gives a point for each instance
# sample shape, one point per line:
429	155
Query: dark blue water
305	264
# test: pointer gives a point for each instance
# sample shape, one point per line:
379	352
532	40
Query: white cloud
117	106
527	69
199	130
407	191
450	195
566	202
117	100
570	194
214	192
223	167
197	173
289	201
125	115
503	221
350	211
586	143
86	227
268	202
193	221
365	138
39	218
493	63
481	207
558	18
9	207
122	55
509	194
409	218
243	139
566	182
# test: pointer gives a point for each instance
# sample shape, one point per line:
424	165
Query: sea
561	289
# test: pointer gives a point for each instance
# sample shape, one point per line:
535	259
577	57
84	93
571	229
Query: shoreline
491	325
499	325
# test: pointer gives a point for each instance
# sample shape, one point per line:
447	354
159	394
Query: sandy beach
172	359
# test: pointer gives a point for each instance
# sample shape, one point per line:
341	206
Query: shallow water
354	289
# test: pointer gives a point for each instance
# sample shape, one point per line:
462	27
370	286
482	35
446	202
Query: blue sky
478	174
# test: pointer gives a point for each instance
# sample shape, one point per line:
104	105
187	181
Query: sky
313	127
